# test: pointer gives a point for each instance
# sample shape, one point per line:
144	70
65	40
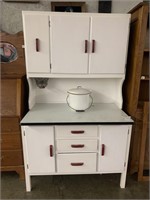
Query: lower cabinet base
72	150
18	169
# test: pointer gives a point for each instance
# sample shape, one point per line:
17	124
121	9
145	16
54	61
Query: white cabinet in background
82	43
39	142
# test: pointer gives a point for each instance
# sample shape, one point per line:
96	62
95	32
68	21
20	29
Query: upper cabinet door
69	43
109	43
36	36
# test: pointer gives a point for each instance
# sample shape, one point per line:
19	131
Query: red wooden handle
77	132
103	150
93	46
37	41
86	46
77	164
51	150
77	145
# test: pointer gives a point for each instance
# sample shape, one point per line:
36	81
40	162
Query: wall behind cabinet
11	16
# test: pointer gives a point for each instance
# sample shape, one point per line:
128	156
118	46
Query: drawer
11	158
11	141
77	162
76	145
10	124
76	132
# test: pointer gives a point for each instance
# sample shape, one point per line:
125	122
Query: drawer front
10	124
11	141
76	132
76	163
76	145
11	158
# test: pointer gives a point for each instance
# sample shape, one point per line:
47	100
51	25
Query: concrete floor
73	187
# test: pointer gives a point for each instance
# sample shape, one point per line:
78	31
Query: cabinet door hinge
124	164
24	133
27	166
50	66
49	23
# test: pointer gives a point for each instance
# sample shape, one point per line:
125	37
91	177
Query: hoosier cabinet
63	51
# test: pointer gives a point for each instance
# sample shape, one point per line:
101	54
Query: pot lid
79	91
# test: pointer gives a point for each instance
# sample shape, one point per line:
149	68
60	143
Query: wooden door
109	43
69	44
36	36
112	148
40	147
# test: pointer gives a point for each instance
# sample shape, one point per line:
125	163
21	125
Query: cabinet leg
28	183
123	180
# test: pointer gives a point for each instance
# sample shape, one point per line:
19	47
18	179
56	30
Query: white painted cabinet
39	142
76	43
37	43
112	148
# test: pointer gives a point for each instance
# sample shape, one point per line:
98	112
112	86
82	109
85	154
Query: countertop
61	113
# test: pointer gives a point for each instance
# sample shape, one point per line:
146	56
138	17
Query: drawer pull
103	150
93	46
77	164
51	150
77	145
86	46
77	132
37	41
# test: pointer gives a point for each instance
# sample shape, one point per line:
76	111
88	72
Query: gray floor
73	187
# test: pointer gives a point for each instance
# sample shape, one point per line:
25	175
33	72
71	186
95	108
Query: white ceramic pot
79	99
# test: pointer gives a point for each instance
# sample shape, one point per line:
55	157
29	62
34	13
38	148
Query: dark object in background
104	6
61	6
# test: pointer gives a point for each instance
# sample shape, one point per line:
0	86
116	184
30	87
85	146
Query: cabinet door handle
77	164
86	46
77	145
103	150
37	42
93	46
77	132
51	150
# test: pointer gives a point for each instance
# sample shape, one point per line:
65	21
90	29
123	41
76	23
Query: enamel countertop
60	113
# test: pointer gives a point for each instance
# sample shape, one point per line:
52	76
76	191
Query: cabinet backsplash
103	90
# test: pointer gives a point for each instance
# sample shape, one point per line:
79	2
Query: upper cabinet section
75	43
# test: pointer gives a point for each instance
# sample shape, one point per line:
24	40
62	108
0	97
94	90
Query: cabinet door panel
36	35
38	141
113	141
110	33
68	44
